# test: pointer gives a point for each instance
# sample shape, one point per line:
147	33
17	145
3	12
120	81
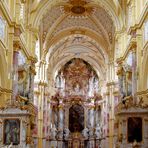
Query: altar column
134	75
91	128
32	75
120	79
42	85
61	124
110	90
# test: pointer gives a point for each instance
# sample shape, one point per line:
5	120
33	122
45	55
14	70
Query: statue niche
76	118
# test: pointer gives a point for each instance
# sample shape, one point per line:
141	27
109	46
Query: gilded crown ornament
78	8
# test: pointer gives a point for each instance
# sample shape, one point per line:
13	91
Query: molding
5	90
2	44
141	19
145	47
110	83
7	16
6	12
144	92
116	93
132	45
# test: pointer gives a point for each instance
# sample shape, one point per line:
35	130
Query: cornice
145	47
140	21
110	83
24	48
8	17
2	44
6	12
131	46
143	92
5	90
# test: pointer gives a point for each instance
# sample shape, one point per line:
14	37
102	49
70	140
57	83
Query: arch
62	62
65	39
68	32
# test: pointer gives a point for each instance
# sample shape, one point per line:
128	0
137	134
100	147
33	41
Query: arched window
21	59
22	13
146	31
2	28
37	49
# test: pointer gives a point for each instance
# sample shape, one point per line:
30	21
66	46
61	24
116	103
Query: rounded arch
92	62
64	41
68	32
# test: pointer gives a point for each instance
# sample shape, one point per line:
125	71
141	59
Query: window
146	31
21	59
37	49
2	28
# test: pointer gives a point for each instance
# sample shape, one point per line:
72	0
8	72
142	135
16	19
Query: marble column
120	79
134	75
124	133
61	118
60	124
66	118
91	118
145	132
86	118
98	115
15	72
31	88
98	134
91	126
41	87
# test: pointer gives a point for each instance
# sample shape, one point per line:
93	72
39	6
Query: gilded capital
16	46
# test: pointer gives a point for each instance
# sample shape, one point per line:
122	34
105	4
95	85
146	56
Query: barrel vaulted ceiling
77	28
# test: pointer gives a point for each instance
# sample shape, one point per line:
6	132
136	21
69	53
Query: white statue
98	132
23	134
66	133
85	132
53	132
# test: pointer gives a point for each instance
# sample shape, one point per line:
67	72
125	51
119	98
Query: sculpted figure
66	133
53	132
85	132
98	131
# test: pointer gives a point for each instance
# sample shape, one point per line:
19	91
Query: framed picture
12	131
134	129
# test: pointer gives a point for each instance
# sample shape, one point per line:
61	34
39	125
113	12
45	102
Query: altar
75	111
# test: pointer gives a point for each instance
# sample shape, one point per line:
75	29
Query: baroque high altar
75	111
74	73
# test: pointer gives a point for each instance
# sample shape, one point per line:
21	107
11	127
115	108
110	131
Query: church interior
74	73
